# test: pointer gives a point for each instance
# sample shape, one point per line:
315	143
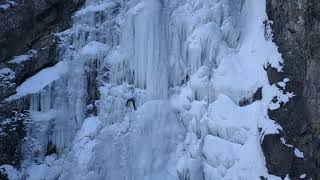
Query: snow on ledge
298	153
22	58
95	8
40	80
7	5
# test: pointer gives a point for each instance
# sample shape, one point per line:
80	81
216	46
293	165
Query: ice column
146	32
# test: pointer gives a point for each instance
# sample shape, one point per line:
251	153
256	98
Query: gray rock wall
27	21
296	28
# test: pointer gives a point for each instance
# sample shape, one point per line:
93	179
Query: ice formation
150	89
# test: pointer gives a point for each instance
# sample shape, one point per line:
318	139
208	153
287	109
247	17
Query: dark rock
278	156
93	85
22	25
244	102
298	168
43	58
255	97
7	84
131	103
263	178
11	134
296	29
273	75
22	30
51	149
3	176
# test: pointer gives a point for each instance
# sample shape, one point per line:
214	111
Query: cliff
296	31
28	44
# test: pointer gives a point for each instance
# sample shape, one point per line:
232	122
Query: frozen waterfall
151	90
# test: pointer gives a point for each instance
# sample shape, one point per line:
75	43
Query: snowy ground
171	77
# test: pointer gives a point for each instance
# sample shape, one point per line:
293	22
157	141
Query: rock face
27	45
25	22
296	28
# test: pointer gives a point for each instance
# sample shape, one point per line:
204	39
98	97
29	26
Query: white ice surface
39	81
171	75
22	58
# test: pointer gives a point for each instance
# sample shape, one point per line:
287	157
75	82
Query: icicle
57	112
146	51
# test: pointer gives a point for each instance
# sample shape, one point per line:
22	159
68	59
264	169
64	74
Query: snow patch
90	128
283	141
303	176
7	75
94	8
94	49
11	172
40	80
22	58
7	5
298	153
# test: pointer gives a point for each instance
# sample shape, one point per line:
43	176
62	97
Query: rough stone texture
11	133
26	25
255	97
280	158
296	26
275	152
44	57
29	20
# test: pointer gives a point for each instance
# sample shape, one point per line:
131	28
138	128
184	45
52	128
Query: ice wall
143	39
153	91
58	111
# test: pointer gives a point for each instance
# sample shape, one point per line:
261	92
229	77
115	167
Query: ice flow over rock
151	89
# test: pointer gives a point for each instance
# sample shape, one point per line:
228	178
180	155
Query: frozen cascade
57	111
147	32
152	91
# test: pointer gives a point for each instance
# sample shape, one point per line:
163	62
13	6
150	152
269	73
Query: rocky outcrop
28	44
35	60
23	23
11	134
296	29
